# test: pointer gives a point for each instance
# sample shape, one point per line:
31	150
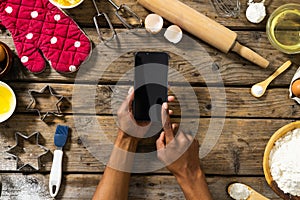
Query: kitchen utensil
8	102
283	28
120	10
259	89
227	8
31	106
253	195
60	139
203	27
266	167
33	156
6	64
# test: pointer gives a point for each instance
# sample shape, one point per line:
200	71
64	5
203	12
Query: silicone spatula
60	139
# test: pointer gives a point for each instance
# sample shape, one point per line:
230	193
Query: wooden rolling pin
203	27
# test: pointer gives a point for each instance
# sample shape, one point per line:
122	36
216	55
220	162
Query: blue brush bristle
61	135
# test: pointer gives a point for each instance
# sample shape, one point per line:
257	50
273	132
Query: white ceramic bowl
64	6
5	116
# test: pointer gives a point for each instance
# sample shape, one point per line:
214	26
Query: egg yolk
67	2
5	100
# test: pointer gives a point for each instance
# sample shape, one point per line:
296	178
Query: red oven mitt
41	29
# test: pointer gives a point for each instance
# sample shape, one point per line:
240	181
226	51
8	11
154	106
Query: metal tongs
122	10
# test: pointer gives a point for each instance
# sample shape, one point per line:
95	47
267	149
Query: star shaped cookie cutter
33	102
19	150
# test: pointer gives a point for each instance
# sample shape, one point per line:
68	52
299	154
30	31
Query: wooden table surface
237	156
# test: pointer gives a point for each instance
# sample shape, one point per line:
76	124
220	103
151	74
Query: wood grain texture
239	150
237	155
82	186
81	15
233	69
212	100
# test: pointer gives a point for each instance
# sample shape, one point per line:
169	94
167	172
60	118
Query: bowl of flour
281	161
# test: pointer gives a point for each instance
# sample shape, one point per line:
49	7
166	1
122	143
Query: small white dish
56	3
13	103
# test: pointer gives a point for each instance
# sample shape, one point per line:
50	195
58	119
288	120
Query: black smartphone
150	85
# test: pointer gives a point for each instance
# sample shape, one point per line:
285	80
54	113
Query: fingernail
165	105
130	90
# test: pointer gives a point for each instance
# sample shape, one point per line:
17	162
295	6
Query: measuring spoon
259	89
249	193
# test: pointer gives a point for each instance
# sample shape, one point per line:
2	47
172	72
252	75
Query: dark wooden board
239	150
211	100
82	186
233	69
83	17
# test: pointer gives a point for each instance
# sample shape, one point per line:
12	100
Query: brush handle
56	173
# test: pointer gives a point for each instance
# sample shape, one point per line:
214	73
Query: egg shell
154	23
296	88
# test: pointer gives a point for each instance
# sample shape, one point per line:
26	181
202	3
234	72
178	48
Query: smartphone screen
150	85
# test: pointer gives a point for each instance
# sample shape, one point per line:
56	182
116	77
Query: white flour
239	191
285	163
255	12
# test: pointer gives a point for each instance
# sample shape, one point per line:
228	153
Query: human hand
126	121
186	168
170	147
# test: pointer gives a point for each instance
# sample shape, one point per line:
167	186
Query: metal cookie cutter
27	154
33	102
122	10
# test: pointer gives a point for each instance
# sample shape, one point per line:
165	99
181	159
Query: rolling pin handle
250	55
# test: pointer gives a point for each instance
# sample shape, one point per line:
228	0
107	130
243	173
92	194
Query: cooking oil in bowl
283	28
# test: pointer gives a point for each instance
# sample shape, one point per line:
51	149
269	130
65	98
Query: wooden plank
81	15
237	101
239	150
82	186
233	69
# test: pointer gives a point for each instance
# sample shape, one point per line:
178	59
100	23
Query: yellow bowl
66	4
13	102
278	134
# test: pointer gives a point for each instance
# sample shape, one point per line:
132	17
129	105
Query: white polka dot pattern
8	9
53	40
77	44
34	14
57	17
72	68
24	59
29	36
42	32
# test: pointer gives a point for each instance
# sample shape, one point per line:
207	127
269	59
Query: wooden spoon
259	89
253	194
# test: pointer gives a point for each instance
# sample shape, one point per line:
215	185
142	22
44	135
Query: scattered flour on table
255	12
24	187
239	191
285	163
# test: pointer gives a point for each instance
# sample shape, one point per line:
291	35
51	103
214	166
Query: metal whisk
227	8
122	12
